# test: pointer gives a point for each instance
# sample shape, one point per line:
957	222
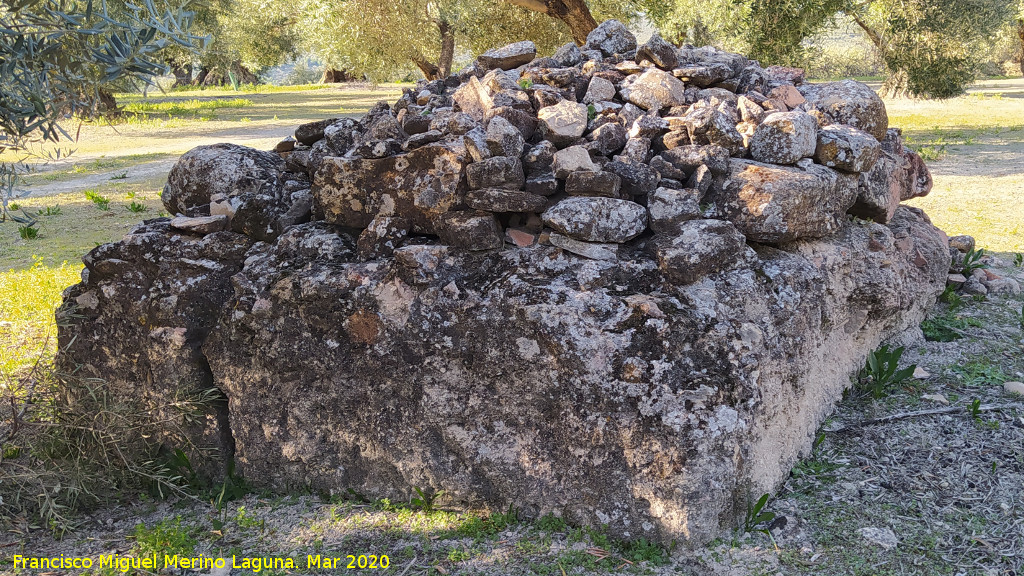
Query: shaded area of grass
192	107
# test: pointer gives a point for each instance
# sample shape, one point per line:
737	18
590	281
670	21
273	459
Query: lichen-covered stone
784	138
848	102
508	57
611	37
420	186
846	148
665	397
775	204
667	208
249	183
564	122
496	172
597	219
502	200
656	89
694	248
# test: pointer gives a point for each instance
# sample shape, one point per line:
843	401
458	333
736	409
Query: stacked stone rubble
569	151
621	284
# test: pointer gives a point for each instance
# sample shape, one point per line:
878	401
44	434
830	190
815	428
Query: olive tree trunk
574	13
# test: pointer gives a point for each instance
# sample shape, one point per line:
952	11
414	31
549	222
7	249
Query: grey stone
599	90
607	139
592	250
586	183
543	184
568	55
571	159
250	182
200	224
784	138
638	179
475	142
696	248
496	172
688	158
710	126
846	148
503	139
539	157
962	243
597	219
502	200
667	208
563	123
658	51
848	102
419	186
382	237
508	57
656	89
470	230
611	37
776	204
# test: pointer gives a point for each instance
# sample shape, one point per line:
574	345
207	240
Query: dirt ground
926	479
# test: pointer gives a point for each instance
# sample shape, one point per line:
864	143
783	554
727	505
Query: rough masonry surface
622	284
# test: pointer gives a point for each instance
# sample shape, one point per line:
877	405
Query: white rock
921	373
572	159
940	398
1014	387
883	537
563	122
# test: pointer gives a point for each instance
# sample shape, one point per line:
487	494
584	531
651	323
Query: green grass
28	298
192	107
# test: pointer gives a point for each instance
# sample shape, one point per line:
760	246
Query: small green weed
479	527
136	207
591	112
642	550
101	202
526	83
952	297
756	516
947	327
881	371
1018	260
424	500
980	373
14	206
168	537
550	523
49	211
120	176
974	408
972	261
28	232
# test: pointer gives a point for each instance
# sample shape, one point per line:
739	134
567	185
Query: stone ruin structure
622	284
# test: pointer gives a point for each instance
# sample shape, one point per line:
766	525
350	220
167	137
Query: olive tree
930	48
57	58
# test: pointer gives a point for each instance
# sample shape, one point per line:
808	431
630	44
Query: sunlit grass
78	226
28	298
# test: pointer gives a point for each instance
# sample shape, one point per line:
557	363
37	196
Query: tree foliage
931	48
56	58
383	38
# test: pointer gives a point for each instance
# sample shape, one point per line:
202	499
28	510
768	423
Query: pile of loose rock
622	284
585	150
